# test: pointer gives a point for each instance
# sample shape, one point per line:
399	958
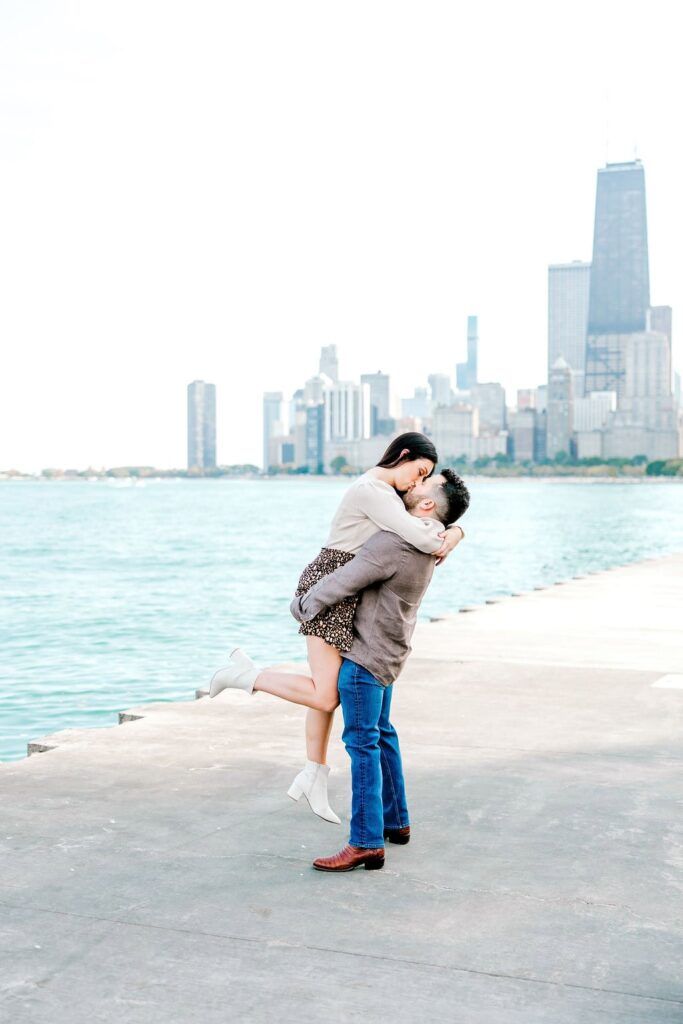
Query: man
391	577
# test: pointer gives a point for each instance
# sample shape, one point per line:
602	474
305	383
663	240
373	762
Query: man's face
421	490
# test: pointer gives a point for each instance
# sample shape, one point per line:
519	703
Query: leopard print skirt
334	625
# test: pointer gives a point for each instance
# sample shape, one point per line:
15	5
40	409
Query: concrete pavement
156	870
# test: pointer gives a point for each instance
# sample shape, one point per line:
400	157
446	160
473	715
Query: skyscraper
272	422
619	277
418	405
647	396
661	318
315	438
628	348
329	364
560	409
466	373
347	412
620	281
380	401
297	426
201	425
440	385
568	293
314	390
522	425
455	429
489	399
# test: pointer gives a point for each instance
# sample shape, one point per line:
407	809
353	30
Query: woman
372	503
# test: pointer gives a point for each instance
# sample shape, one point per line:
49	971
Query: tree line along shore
497	466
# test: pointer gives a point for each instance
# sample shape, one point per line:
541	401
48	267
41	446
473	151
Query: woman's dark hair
419	447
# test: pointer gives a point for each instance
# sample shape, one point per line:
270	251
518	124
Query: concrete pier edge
156	867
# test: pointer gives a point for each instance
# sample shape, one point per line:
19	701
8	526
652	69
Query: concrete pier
156	871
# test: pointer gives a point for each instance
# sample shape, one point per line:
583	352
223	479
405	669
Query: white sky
214	190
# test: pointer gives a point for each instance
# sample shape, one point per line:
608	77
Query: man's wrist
456	526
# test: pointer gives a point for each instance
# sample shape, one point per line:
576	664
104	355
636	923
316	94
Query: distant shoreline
133	480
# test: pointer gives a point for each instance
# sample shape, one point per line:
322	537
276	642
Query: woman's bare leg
318	729
318	691
325	662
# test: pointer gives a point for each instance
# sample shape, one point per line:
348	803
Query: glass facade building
568	292
201	425
273	423
380	401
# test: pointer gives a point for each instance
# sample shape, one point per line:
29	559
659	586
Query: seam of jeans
391	731
361	766
385	760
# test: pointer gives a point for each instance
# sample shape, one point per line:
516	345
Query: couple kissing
357	605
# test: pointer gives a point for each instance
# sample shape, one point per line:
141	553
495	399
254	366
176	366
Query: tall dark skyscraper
619	278
201	424
628	345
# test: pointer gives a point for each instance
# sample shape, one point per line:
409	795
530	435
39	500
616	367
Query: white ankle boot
312	783
240	674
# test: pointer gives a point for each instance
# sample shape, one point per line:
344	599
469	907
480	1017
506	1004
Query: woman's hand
451	538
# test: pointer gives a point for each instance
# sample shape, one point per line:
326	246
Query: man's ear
428	504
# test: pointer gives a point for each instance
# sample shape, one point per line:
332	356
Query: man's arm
380	504
377	560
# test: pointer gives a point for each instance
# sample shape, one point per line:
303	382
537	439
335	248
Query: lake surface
114	594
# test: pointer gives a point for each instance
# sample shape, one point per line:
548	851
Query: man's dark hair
451	498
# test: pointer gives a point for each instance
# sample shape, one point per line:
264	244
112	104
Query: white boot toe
237	676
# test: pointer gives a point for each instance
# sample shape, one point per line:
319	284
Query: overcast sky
215	190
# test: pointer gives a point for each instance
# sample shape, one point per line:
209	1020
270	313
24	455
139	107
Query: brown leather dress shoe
398	835
351	857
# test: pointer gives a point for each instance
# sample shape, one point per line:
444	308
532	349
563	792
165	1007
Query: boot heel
395	836
374	864
312	783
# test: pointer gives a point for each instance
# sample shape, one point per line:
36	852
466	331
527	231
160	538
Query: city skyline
609	391
188	234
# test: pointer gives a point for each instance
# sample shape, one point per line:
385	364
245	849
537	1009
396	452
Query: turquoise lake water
114	594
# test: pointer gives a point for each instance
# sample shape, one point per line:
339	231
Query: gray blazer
391	577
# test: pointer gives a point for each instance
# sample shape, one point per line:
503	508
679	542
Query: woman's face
408	474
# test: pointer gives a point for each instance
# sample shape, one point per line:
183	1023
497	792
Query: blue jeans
378	791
